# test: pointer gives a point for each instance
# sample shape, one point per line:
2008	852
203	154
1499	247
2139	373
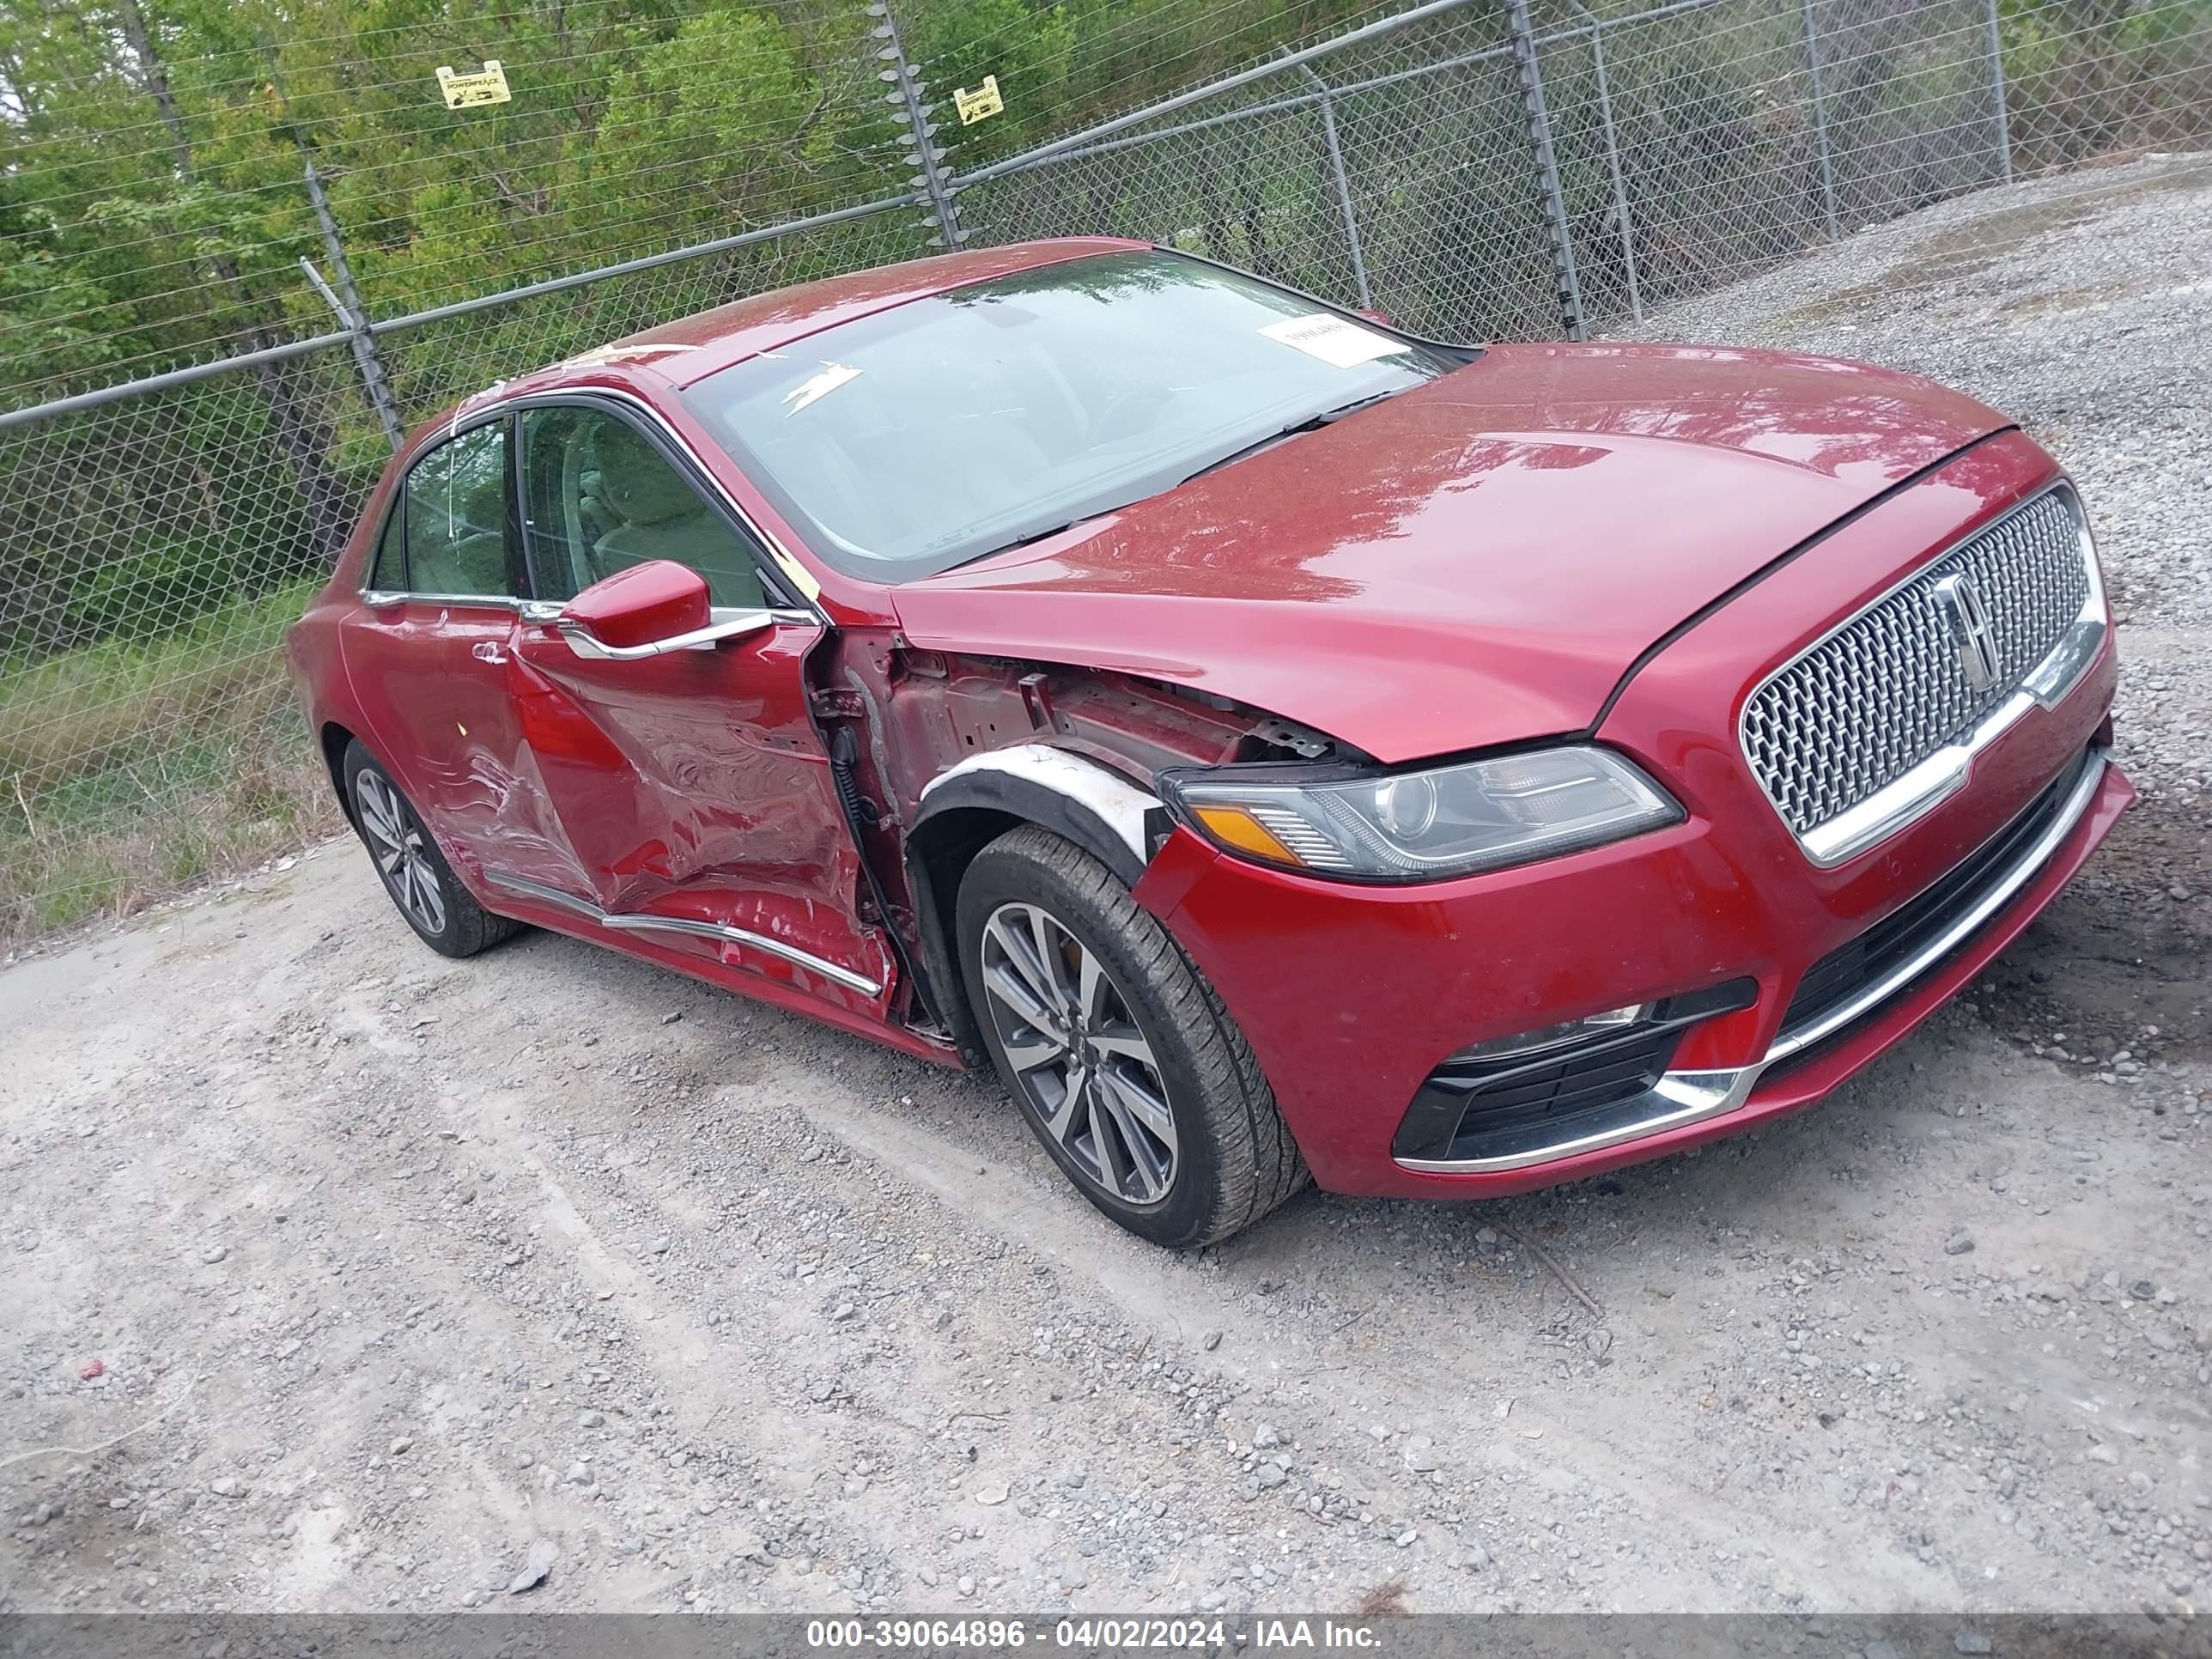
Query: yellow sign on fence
472	91
976	106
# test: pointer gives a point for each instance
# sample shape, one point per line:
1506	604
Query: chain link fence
1473	168
157	535
1497	171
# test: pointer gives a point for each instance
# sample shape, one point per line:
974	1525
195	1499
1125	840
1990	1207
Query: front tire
420	882
1125	1066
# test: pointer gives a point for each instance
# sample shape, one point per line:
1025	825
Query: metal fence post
1997	91
1343	185
1821	123
1547	168
346	302
927	156
1613	160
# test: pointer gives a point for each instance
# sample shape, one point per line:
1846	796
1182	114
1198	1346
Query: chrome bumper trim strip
1680	1098
1963	926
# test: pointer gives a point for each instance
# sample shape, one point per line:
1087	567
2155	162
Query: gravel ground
2080	306
549	1278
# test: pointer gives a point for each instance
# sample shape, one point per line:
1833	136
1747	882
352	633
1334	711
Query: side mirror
648	611
1375	317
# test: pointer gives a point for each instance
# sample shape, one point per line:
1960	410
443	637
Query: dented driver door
692	794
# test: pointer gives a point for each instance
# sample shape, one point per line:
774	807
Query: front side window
599	497
457	518
939	431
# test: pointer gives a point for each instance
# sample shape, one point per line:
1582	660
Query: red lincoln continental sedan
1277	742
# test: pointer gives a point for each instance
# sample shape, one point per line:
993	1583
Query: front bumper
1352	997
1678	1099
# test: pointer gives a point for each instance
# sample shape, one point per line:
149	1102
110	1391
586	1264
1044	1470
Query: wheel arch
967	806
334	739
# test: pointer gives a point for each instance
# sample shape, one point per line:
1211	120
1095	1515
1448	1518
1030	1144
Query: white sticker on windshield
1332	339
816	388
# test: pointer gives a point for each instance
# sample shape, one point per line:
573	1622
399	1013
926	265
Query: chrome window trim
378	598
547	612
802	581
408	596
1906	799
634	922
1685	1097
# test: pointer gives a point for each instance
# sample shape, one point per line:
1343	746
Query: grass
76	711
130	769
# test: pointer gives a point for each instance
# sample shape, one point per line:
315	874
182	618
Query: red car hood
1476	561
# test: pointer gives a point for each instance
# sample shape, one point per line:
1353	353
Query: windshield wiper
1311	423
1029	535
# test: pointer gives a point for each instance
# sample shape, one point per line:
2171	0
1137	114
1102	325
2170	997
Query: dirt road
737	1312
550	1279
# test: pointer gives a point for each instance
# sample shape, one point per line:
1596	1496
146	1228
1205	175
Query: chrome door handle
489	651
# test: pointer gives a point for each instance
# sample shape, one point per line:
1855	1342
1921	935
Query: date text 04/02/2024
1106	1634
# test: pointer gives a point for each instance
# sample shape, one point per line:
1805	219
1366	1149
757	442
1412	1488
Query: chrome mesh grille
1886	690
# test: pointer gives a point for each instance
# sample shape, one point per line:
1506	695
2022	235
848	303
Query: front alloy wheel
1082	1063
1126	1067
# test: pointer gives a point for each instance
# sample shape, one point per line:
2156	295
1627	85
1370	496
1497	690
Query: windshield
939	431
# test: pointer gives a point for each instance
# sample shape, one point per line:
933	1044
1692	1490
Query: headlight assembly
1423	825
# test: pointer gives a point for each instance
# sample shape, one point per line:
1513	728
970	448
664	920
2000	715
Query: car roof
691	348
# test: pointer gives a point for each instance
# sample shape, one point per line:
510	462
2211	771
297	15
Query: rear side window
389	574
457	518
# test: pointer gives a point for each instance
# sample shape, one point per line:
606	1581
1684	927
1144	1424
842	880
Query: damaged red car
1276	743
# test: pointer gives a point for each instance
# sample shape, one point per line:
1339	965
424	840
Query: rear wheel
415	872
1127	1066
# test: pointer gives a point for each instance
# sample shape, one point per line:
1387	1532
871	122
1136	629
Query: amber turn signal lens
1232	826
